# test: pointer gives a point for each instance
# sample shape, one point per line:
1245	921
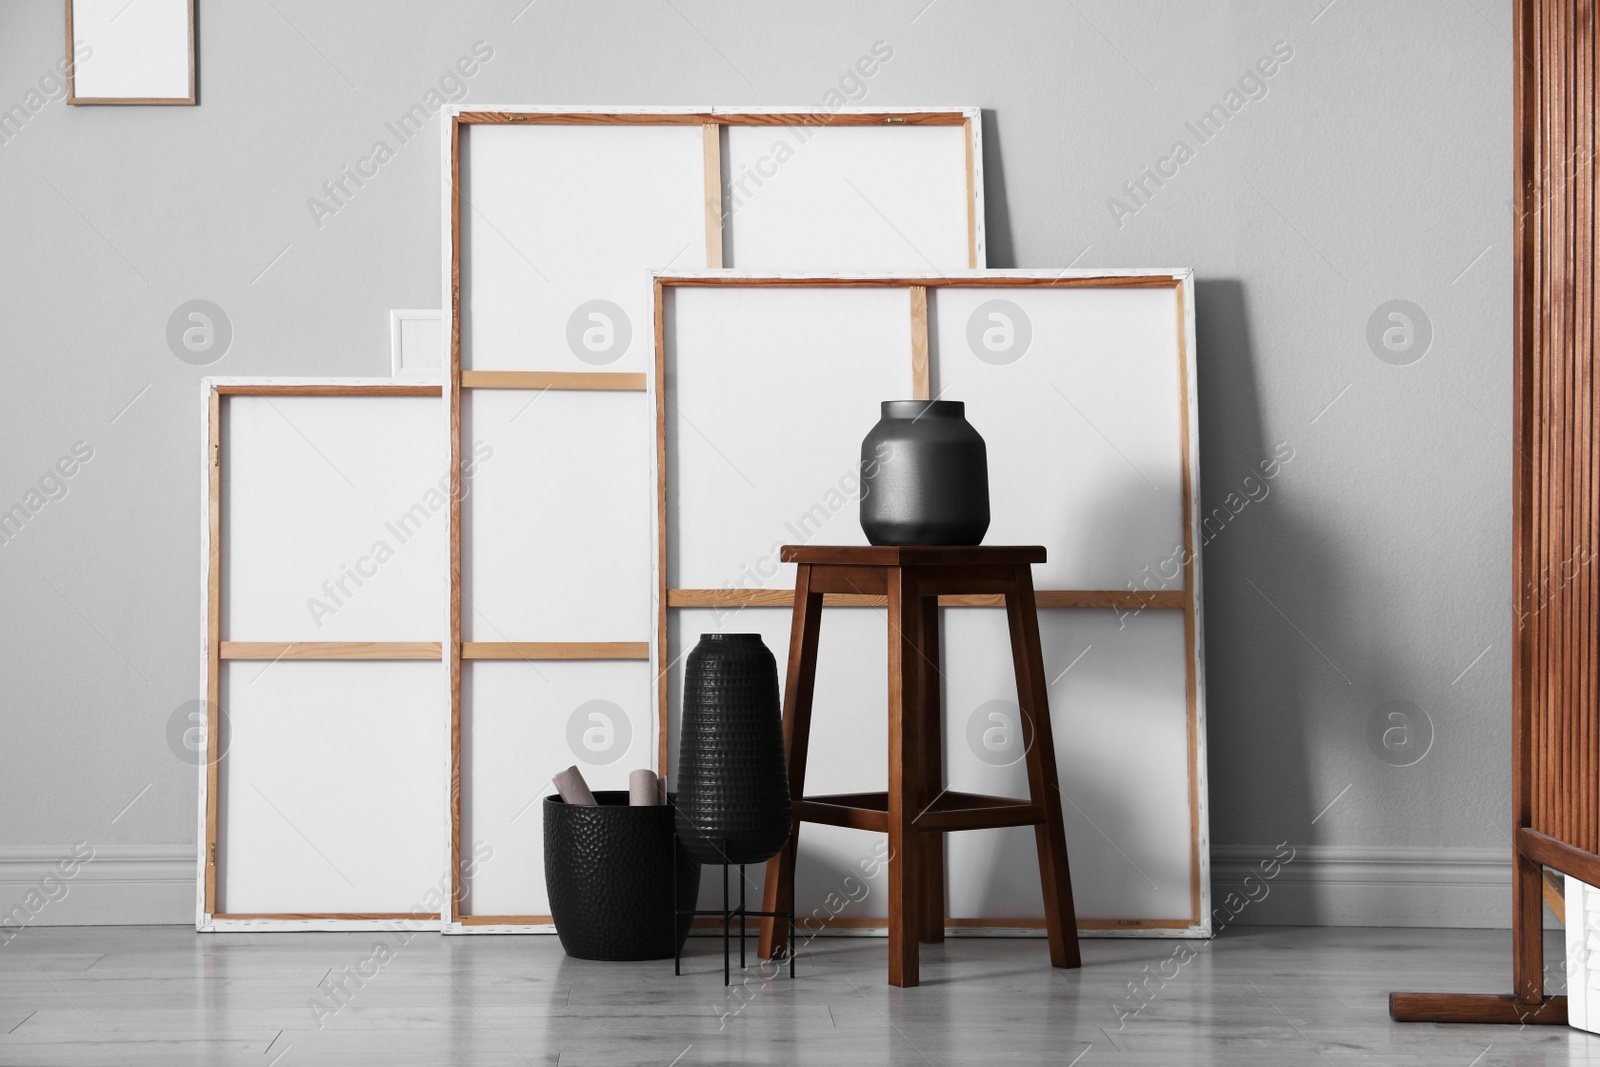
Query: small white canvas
416	342
138	51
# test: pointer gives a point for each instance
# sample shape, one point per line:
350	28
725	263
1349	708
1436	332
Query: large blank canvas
561	223
1089	432
330	530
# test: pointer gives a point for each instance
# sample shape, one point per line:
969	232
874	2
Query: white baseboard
1336	885
122	885
1323	885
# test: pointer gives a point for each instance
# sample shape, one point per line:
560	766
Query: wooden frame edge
1160	279
663	718
192	100
921	366
1527	946
347	916
235	651
324	389
555	650
977	248
452	220
585	381
213	775
1194	658
715	116
711	152
1547	851
972	202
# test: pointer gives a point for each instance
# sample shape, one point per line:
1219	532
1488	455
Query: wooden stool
917	810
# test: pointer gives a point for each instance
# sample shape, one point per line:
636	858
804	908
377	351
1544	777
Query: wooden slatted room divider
1555	747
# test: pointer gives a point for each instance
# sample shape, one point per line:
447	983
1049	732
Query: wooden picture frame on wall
139	53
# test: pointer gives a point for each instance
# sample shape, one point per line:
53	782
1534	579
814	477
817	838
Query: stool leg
930	707
797	692
905	778
1044	785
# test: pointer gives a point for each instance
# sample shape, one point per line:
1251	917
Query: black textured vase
608	868
733	782
924	476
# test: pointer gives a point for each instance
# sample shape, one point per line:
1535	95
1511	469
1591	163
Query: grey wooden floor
1278	996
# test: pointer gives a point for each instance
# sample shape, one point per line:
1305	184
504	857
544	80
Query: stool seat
912	555
916	811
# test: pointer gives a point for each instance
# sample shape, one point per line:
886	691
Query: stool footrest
858	811
950	811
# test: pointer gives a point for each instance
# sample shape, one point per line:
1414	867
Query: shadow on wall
1254	693
1267	582
1001	254
1293	665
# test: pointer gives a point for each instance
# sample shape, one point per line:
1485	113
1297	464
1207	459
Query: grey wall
1376	166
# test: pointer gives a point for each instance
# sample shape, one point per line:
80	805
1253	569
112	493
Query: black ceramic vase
924	476
733	782
609	870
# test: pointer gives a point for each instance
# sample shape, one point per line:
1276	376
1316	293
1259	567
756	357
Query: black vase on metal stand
733	782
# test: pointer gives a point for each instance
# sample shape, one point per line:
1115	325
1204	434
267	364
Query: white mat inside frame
1082	384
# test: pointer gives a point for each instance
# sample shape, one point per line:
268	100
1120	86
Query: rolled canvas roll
644	789
572	788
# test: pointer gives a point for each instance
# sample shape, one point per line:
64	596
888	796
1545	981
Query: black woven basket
733	779
608	868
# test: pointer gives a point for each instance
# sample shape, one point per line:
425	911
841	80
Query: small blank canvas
131	51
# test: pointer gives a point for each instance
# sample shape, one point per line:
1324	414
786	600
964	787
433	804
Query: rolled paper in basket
644	789
573	789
